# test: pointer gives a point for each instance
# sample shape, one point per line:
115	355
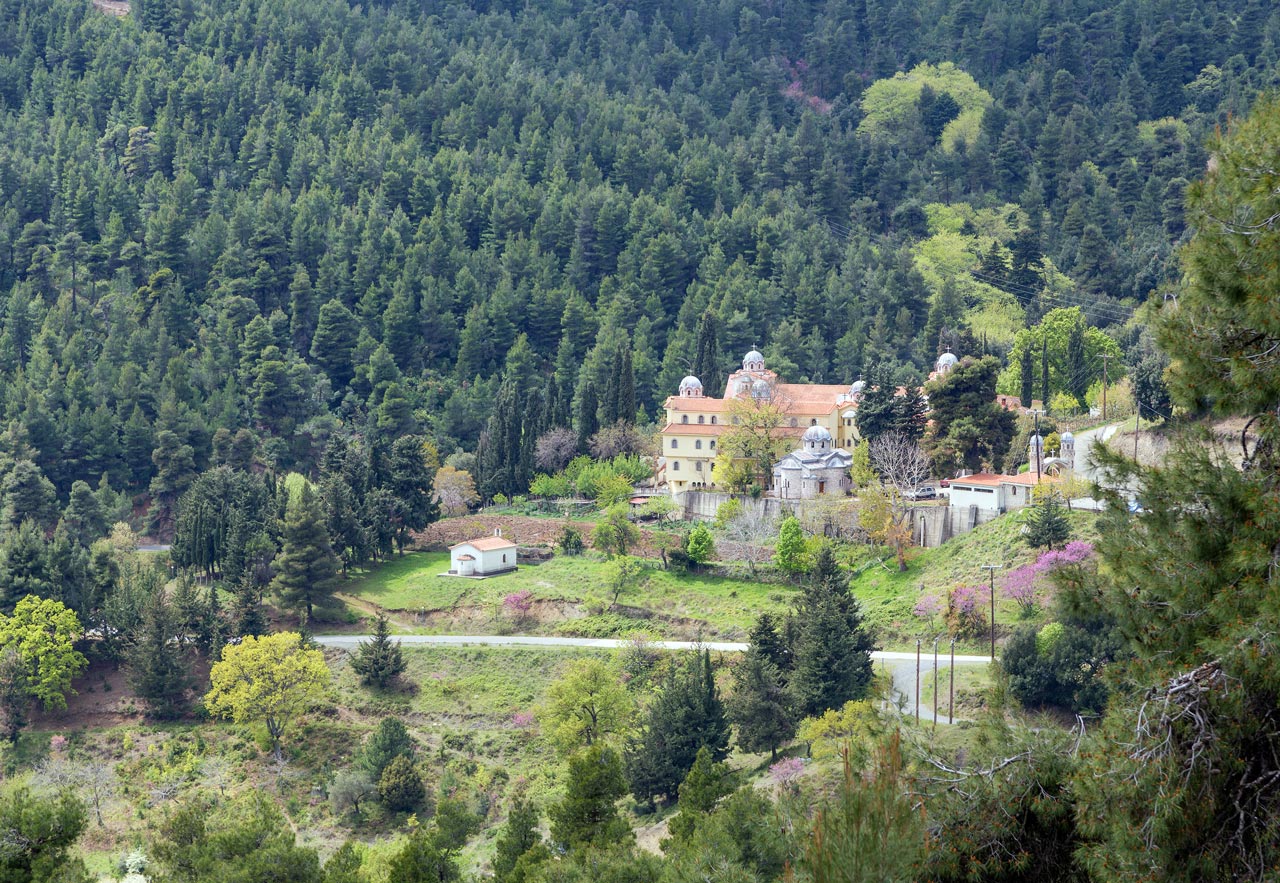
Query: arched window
813	422
684	418
701	419
698	445
675	443
713	418
713	444
794	422
675	467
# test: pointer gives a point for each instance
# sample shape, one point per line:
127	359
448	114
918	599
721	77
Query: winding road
901	666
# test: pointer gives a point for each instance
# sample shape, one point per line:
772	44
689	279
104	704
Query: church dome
946	361
858	387
760	390
816	434
753	361
691	386
1067	437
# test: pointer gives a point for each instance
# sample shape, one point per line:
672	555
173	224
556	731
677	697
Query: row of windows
684	418
697	444
697	466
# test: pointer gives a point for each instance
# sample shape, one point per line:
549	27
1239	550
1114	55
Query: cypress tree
626	389
380	661
706	361
588	423
686	716
1078	372
306	568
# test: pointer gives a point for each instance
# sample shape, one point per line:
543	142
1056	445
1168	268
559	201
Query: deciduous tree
271	679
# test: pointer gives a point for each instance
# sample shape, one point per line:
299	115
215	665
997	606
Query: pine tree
588	815
1047	524
390	740
760	705
769	643
379	662
335	342
306	568
519	835
686	715
702	788
833	646
158	669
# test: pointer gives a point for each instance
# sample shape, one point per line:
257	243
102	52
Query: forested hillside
302	218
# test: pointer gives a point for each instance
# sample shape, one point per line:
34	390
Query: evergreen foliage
1047	524
686	715
400	786
387	742
832	649
588	814
379	662
306	568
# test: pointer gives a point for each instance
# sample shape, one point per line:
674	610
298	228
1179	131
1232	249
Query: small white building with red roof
485	556
998	493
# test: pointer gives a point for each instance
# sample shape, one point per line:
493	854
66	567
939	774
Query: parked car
946	482
925	492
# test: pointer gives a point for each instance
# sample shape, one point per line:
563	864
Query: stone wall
931	526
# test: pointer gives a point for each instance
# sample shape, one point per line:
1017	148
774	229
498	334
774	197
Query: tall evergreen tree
760	706
158	670
706	360
686	715
1025	378
306	568
833	646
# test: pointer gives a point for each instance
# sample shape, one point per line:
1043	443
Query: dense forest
295	220
277	276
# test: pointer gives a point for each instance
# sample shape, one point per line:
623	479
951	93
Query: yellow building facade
696	421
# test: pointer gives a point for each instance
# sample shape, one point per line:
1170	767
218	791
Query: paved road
1085	441
901	666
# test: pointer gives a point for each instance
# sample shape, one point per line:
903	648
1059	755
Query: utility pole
1137	415
951	699
991	569
1105	356
935	684
917	682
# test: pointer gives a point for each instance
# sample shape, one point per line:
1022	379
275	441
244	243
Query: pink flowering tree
965	606
1027	584
1020	585
517	605
786	773
927	608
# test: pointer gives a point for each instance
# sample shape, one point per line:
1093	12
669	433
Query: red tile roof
988	479
486	544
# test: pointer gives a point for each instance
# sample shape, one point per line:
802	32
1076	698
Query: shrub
570	542
699	545
400	787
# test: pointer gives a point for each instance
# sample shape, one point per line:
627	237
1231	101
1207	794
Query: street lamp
991	569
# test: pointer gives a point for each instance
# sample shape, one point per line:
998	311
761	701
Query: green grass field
674	605
726	607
